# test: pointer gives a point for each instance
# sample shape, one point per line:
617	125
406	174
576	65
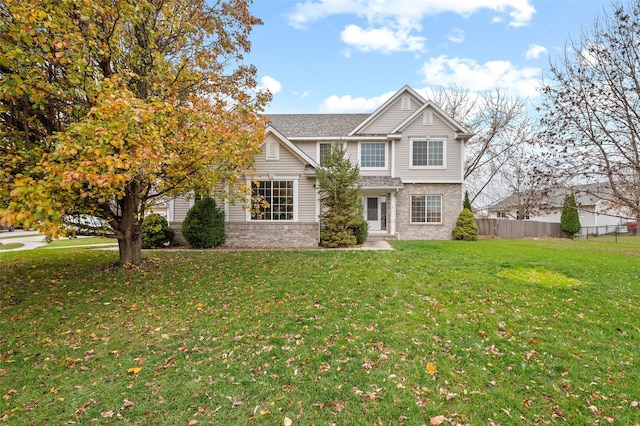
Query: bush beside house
466	228
203	226
156	232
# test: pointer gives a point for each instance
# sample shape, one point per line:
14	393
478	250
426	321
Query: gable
430	115
395	110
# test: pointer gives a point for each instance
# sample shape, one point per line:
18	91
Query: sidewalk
28	239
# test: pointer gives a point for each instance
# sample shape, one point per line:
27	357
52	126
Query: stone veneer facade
272	234
451	206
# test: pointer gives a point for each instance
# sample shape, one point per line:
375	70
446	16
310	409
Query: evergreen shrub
203	227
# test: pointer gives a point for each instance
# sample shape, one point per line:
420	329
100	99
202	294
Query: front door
372	213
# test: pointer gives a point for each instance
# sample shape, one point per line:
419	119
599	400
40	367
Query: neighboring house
410	154
594	211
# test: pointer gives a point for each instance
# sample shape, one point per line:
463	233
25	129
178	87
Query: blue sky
351	55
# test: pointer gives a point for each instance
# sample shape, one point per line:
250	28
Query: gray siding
287	166
393	115
454	152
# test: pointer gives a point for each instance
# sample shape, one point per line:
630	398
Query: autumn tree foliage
108	107
591	115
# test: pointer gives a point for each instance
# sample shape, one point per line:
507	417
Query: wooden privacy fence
505	228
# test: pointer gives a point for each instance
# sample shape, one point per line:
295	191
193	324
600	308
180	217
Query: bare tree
592	106
500	125
530	181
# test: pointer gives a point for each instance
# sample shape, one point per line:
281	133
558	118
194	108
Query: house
410	154
597	215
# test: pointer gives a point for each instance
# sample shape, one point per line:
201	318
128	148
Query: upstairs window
427	153
373	155
324	149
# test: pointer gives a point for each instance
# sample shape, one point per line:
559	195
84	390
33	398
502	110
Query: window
426	209
325	149
427	153
272	200
373	155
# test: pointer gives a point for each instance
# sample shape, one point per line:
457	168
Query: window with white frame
373	155
427	153
324	149
426	209
272	200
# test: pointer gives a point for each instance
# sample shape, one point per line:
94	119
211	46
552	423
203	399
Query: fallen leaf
107	414
133	370
127	404
431	368
437	420
192	422
288	421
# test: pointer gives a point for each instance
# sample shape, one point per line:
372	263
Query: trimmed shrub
156	232
466	204
203	227
361	232
466	228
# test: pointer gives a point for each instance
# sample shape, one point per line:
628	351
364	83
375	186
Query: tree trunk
130	235
130	247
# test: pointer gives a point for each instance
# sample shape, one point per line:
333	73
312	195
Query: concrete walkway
32	239
28	239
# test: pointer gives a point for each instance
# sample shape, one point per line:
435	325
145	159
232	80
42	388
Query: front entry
376	212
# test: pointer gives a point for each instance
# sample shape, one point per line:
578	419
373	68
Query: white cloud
379	12
444	71
535	50
347	104
385	40
271	84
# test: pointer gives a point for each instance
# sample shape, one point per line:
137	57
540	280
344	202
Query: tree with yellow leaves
108	106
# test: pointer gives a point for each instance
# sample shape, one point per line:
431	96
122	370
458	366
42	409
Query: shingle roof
380	182
315	125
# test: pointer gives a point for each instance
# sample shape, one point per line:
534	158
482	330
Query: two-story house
410	154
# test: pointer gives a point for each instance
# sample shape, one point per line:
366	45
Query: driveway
28	239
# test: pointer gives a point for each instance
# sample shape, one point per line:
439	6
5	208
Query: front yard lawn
488	332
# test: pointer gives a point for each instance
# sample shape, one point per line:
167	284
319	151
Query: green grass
9	246
79	242
487	332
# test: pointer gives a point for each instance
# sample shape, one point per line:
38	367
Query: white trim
405	103
341	138
405	90
393	158
461	132
272	151
291	146
273	177
427	118
442	139
425	211
386	156
323	142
